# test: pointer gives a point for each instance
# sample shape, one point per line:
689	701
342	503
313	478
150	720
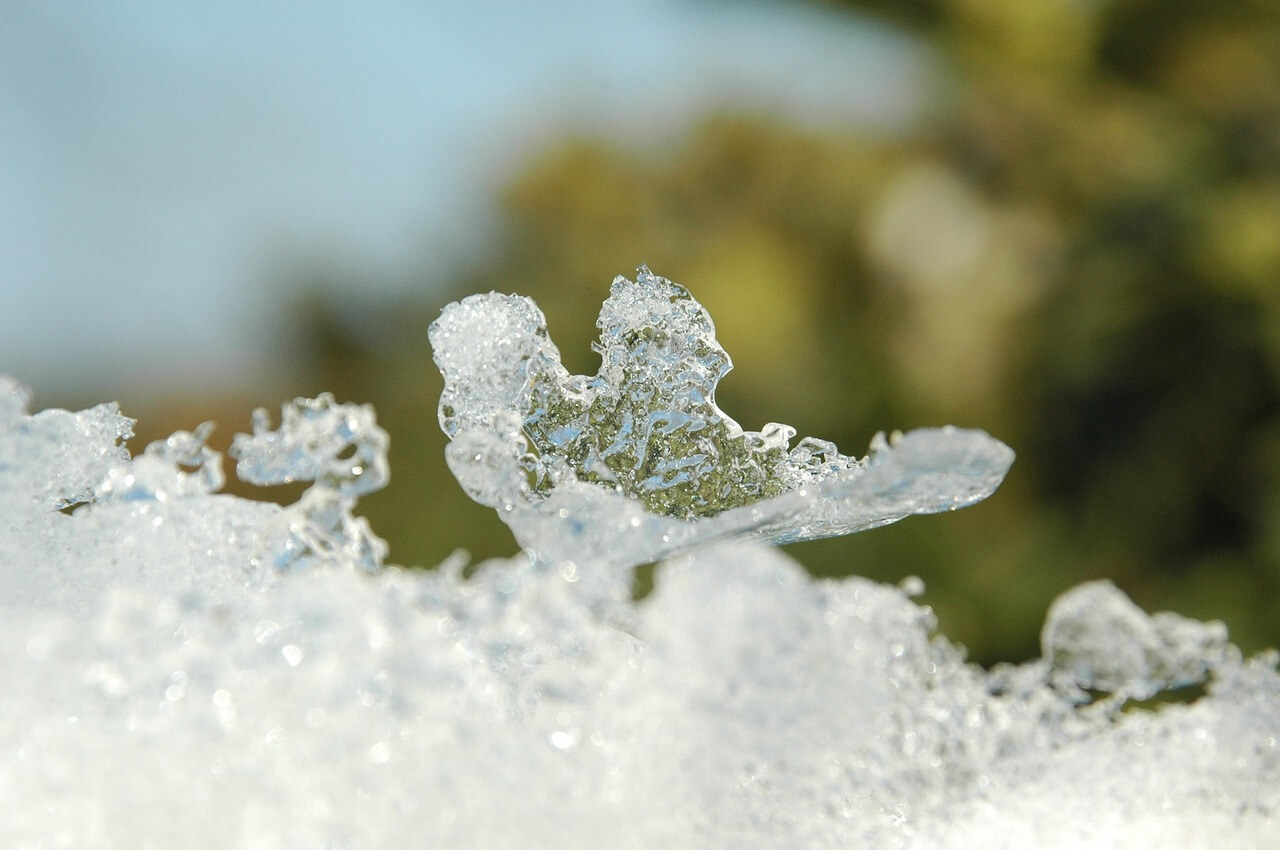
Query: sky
167	168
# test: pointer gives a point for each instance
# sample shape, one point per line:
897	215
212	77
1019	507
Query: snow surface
185	668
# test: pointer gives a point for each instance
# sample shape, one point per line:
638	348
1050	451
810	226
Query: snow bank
185	668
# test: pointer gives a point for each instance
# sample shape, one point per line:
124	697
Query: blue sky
164	167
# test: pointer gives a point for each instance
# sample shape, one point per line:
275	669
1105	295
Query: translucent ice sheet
639	460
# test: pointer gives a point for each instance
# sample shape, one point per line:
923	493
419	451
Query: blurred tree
1077	249
1145	134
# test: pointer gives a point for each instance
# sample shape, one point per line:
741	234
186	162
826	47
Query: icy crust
184	668
642	449
71	494
1095	637
88	443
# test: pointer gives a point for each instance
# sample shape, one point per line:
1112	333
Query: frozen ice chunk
340	448
1096	638
639	460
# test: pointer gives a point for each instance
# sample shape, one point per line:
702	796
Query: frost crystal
183	668
645	437
341	449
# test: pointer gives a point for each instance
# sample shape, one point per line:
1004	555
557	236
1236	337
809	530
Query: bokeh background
1058	221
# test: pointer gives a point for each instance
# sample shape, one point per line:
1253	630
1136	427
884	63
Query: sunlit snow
184	668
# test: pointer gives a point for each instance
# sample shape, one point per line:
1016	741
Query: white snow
183	668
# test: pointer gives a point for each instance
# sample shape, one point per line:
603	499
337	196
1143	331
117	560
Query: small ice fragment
1095	637
177	467
341	448
338	446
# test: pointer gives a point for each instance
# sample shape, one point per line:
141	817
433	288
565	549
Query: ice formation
185	668
620	464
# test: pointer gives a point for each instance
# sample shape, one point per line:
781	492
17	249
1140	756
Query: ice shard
638	461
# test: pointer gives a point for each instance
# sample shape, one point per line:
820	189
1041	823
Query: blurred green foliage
1077	249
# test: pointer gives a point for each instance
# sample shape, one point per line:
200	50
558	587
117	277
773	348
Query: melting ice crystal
643	450
182	668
